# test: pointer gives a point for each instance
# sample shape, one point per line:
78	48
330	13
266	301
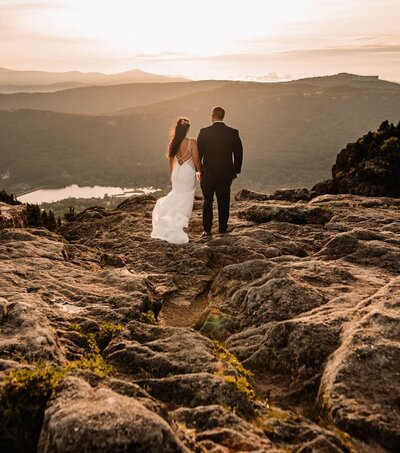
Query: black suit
221	155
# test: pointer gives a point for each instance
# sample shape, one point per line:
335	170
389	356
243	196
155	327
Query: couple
217	156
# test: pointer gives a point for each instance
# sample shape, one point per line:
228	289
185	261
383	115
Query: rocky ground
305	293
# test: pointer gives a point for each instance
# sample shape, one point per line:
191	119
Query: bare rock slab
85	419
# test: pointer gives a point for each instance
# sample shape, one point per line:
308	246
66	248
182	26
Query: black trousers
222	189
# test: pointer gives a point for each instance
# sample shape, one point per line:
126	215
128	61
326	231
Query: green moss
23	404
92	362
74	327
107	329
241	379
96	342
28	390
37	382
224	354
389	206
148	317
240	382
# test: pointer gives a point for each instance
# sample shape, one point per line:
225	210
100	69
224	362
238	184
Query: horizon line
270	77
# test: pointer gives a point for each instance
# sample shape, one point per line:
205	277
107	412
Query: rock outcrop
12	216
304	292
369	167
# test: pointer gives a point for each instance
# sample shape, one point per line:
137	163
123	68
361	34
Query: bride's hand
198	176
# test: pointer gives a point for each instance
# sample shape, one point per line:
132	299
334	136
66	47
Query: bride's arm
196	157
171	167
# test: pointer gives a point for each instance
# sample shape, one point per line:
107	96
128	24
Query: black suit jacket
220	151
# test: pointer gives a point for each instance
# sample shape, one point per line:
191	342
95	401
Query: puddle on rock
181	302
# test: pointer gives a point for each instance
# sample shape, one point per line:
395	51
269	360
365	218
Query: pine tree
51	221
384	126
8	198
70	215
33	214
45	219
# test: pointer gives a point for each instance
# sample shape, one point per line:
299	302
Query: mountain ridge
117	97
98	99
23	78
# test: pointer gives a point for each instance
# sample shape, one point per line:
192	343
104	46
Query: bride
171	213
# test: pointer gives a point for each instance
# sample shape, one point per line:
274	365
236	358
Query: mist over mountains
117	135
13	81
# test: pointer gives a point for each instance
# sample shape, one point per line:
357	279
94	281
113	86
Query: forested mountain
291	132
99	99
112	99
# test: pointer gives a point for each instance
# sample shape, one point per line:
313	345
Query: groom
221	155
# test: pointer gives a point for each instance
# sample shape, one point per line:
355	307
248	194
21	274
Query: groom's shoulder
232	130
205	129
211	129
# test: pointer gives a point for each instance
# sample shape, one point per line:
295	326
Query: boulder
198	389
217	427
86	419
368	167
292	195
296	214
359	387
12	216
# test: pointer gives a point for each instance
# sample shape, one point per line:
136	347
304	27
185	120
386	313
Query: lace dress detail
171	213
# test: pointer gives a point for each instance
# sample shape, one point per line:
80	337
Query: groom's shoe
206	234
225	231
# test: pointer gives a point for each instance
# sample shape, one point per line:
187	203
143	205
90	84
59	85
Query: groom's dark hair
218	112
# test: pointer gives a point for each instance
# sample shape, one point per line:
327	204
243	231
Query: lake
75	191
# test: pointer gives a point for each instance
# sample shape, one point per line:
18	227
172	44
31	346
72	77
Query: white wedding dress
171	213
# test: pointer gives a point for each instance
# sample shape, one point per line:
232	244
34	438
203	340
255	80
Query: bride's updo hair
178	133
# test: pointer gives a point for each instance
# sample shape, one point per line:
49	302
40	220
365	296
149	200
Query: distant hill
126	97
352	80
37	81
100	99
291	131
12	89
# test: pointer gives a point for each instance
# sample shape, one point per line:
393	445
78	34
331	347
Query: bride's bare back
188	150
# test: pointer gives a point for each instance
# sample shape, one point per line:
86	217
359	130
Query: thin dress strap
186	156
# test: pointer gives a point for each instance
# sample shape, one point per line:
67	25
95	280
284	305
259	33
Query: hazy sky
254	39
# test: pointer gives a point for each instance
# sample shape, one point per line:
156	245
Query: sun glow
203	39
168	26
